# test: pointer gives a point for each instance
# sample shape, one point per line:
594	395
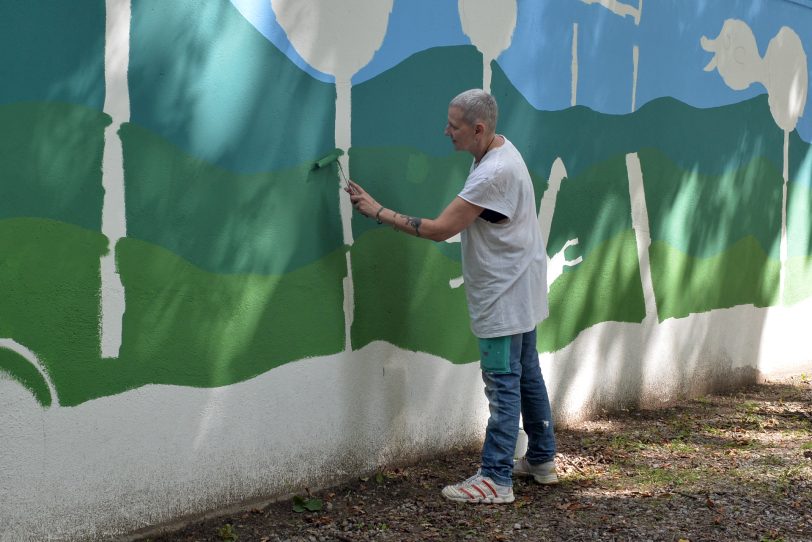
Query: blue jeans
522	390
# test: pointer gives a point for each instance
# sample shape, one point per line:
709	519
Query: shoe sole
547	480
486	500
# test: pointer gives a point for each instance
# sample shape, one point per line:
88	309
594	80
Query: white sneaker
544	473
479	489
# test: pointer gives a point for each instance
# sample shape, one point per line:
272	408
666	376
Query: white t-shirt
504	265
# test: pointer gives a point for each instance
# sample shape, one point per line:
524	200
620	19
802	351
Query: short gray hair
477	106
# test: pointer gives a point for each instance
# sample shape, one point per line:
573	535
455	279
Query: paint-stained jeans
522	390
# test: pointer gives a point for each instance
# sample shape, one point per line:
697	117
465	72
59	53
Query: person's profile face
460	132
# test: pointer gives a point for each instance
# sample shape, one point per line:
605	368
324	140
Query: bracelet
378	215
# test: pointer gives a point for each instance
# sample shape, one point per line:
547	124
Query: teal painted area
799	219
205	79
798	280
799	243
592	207
800	160
407	106
604	287
410	182
223	222
402	296
52	50
50	162
20	369
182	326
685	284
704	215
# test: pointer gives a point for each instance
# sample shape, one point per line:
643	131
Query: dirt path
730	468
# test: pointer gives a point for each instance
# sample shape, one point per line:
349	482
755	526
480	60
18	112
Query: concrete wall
190	315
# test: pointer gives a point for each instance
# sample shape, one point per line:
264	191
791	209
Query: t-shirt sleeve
486	189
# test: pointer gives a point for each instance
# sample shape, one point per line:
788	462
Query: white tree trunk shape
642	233
783	246
574	66
489	24
635	62
113	224
338	38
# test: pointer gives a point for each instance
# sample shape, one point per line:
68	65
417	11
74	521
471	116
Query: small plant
227	532
301	504
749	406
786	477
706	400
711	430
773	460
680	446
621	442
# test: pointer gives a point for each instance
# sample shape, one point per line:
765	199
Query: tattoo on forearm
414	222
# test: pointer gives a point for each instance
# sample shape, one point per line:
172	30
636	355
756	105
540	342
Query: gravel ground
724	467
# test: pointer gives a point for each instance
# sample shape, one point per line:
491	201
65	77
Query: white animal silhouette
782	71
489	24
339	38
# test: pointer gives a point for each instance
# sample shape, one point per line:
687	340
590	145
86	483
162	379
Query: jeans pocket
494	355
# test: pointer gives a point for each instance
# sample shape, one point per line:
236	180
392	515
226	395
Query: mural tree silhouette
782	71
338	38
489	24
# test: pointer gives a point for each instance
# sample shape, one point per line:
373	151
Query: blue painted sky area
671	59
539	59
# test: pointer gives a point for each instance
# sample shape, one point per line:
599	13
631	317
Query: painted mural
162	222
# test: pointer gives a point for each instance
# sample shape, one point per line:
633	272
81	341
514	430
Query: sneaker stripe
484	481
470	495
480	491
